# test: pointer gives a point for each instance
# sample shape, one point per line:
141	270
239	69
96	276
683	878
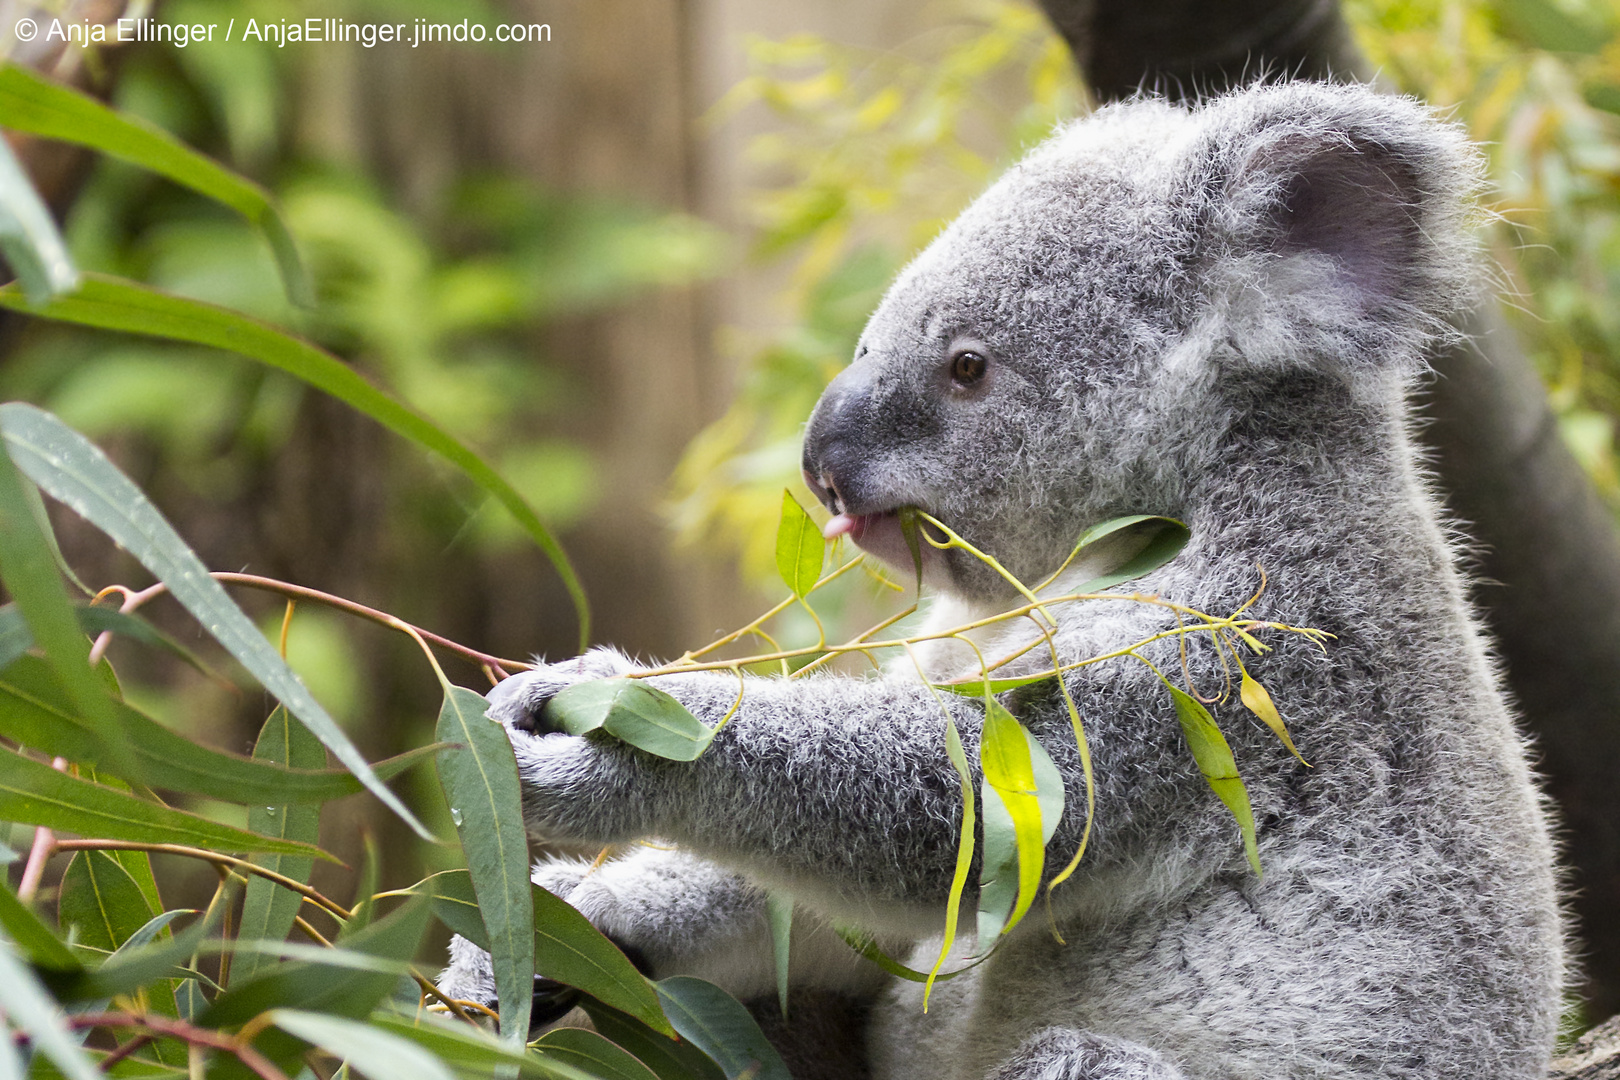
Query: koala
1214	314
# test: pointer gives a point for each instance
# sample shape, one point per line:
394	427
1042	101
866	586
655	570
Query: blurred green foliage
441	303
875	151
1537	82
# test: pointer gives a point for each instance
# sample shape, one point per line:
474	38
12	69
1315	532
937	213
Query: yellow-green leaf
800	548
1214	757
1258	700
1022	795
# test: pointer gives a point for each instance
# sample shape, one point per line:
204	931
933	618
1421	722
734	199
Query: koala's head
1060	354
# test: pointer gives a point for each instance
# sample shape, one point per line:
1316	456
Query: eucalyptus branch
485	660
229	862
187	1032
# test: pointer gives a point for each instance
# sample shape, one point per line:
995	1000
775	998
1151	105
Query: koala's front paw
470	976
517	702
589	790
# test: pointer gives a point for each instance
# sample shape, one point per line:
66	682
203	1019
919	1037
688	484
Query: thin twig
190	1033
218	859
40	852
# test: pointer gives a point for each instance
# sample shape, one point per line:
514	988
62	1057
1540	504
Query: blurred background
622	263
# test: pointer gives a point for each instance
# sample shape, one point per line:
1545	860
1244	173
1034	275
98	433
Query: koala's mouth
879	534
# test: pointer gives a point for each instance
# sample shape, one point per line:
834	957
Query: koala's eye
968	367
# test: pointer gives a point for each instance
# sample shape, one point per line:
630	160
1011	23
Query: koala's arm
838	790
677	914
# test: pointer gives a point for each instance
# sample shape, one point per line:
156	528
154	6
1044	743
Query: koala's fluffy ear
1333	223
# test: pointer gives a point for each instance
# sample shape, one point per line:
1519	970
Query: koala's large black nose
837	434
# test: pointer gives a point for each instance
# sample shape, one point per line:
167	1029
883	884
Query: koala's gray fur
1213	315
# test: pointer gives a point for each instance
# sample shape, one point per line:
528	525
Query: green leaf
29	237
964	853
593	1054
268	909
73	471
800	548
31	1010
41	107
471	1051
1547	26
1022	796
16	639
35	711
114	304
1165	544
326	986
29	570
633	712
377	1054
567	947
779	913
668	1058
716	1023
1258	701
39	945
1214	758
102	900
979	687
33	793
137	963
480	780
864	943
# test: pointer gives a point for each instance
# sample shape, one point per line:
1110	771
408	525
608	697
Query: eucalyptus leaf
480	780
28	234
33	793
72	470
31	103
16	639
32	1011
633	712
101	901
323	985
1258	701
779	914
472	1052
1165	544
1214	757
1022	795
28	566
377	1054
35	710
668	1058
114	304
41	947
593	1054
800	549
269	909
719	1025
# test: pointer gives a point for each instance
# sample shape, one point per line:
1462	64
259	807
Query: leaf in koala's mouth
880	534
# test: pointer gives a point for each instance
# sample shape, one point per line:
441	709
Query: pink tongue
838	526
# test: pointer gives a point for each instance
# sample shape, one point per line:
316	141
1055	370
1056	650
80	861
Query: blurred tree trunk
1550	564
